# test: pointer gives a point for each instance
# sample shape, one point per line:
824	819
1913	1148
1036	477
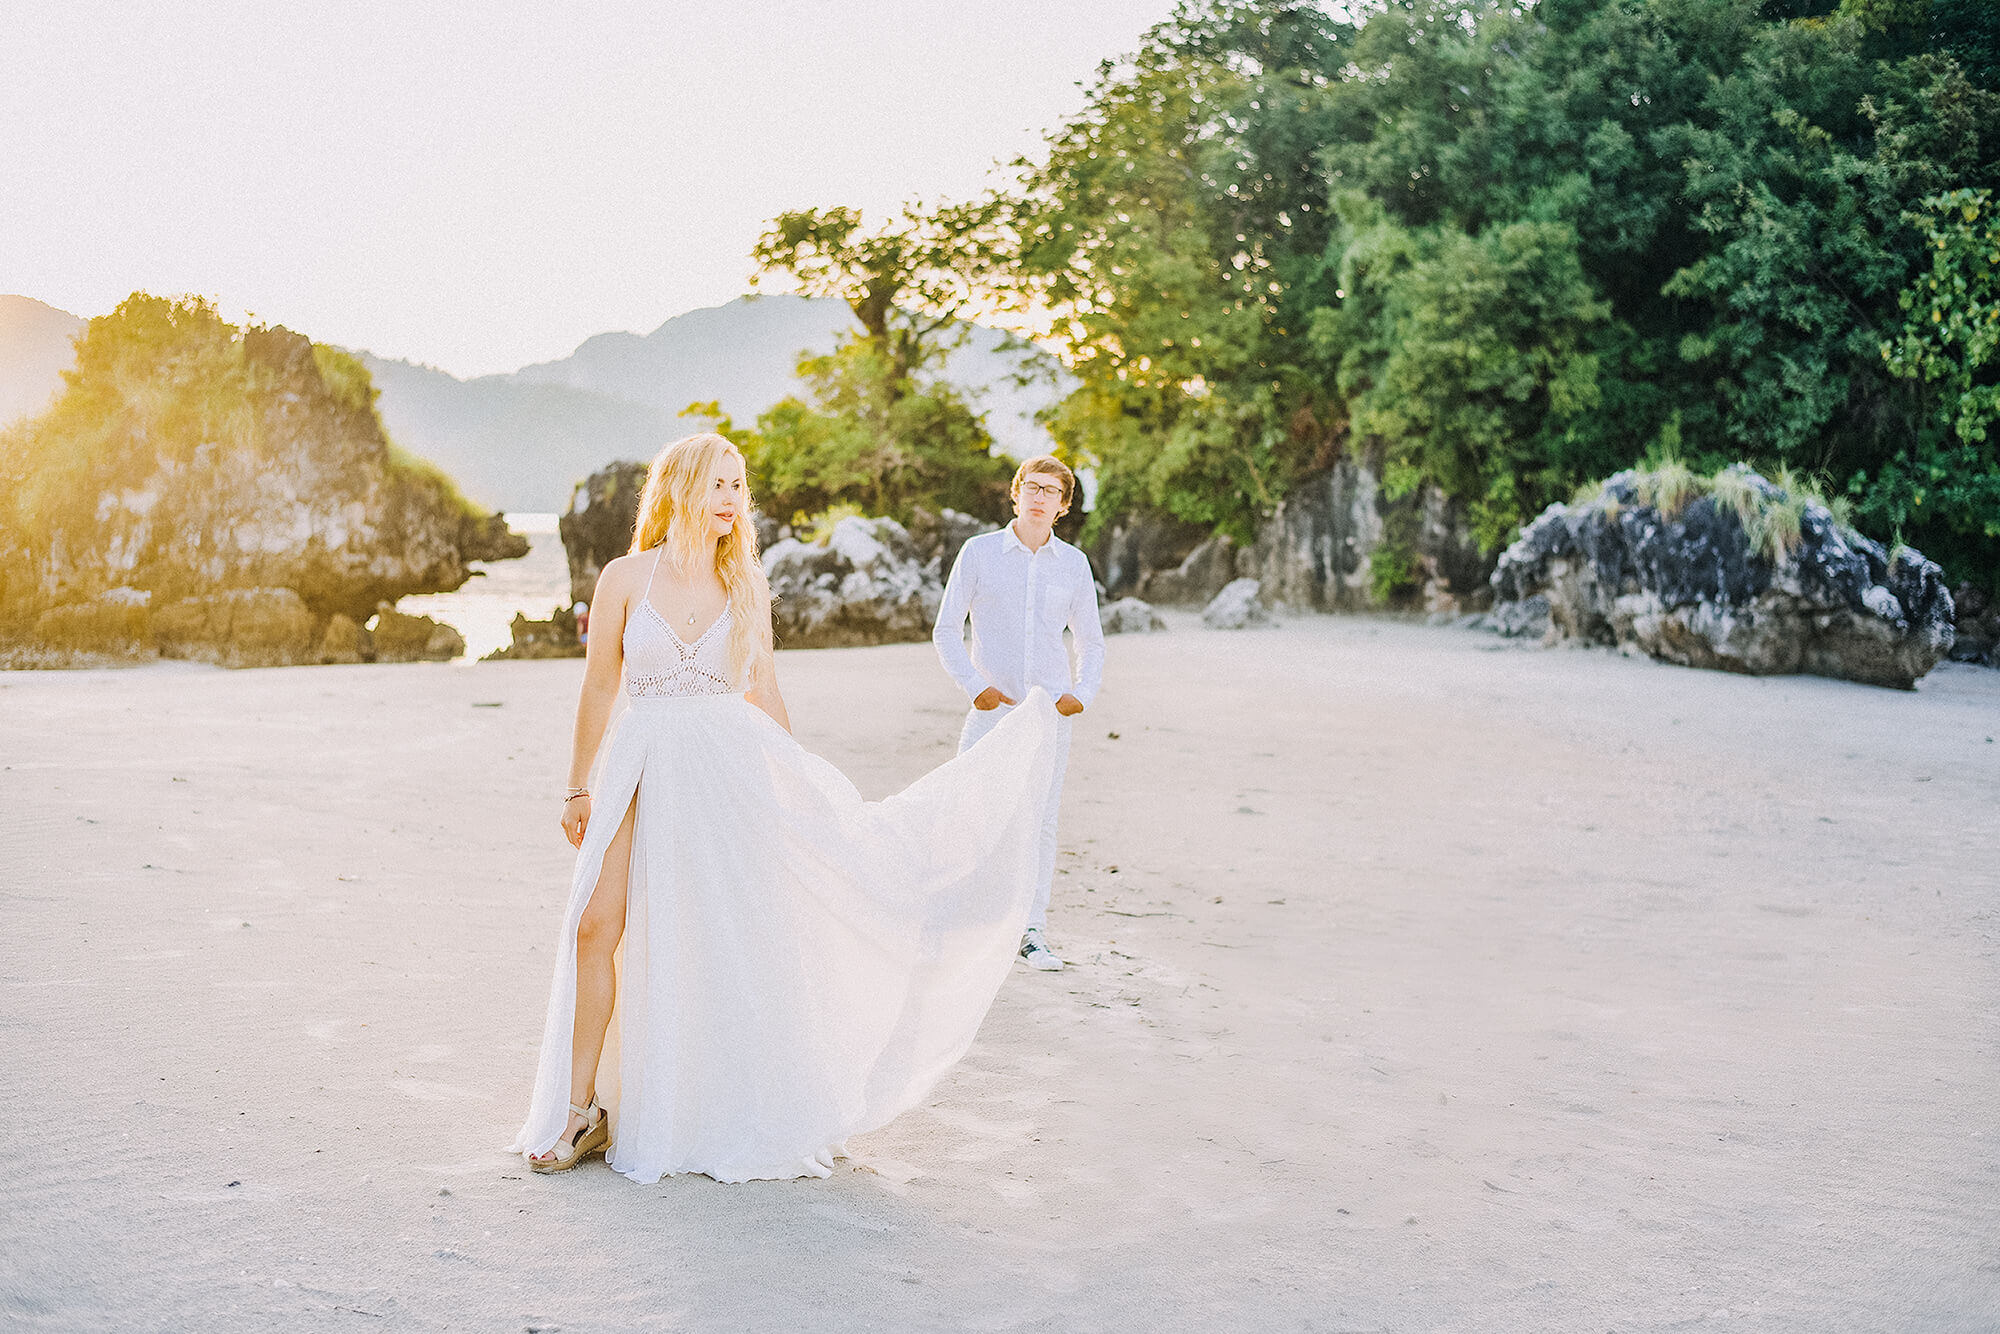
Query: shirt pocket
1052	599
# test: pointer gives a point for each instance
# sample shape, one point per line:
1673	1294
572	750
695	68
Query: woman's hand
576	819
1069	706
990	699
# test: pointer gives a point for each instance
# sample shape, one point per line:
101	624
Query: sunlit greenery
879	426
1502	248
164	392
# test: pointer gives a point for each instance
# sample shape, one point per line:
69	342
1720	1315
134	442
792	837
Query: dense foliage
1505	248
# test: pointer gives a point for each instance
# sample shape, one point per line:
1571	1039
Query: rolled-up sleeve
1088	633
948	635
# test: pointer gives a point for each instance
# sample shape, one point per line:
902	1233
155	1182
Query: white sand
1439	984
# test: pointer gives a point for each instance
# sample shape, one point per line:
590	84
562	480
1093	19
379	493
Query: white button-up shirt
1020	601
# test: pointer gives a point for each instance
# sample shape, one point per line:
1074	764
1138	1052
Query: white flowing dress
798	965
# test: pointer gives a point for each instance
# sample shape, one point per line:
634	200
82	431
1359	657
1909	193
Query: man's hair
1051	465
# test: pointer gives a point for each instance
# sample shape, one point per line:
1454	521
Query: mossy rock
241	627
401	638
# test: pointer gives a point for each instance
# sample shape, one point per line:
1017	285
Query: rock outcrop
1336	543
400	638
1744	578
239	627
345	641
1128	616
1201	574
1138	546
1977	637
866	584
1523	618
870	581
1238	606
553	638
1325	548
938	537
597	527
218	494
116	624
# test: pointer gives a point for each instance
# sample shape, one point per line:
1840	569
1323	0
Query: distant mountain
35	349
520	441
510	444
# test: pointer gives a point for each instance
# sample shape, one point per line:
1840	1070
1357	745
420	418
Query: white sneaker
1037	952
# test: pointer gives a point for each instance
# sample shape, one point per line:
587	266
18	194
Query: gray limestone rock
1141	544
1693	588
1318	550
597	527
1197	579
1525	618
866	584
938	537
1236	607
1977	626
553	638
1128	616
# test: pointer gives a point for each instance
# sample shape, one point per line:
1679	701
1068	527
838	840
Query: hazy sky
480	186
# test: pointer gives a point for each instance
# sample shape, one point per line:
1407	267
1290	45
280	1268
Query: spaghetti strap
647	596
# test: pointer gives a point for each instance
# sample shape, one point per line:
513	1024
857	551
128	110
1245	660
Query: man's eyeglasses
1042	489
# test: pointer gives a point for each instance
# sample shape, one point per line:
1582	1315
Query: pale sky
481	186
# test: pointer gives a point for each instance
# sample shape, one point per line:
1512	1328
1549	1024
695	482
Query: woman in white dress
754	963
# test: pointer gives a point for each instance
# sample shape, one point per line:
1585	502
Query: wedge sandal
593	1138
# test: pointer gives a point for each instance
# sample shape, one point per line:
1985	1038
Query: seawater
483	610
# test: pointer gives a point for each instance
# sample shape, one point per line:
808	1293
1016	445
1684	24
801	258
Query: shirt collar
1014	538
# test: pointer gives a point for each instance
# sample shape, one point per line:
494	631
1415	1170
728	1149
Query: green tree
879	425
1943	489
910	282
1592	229
865	436
1464	356
1173	234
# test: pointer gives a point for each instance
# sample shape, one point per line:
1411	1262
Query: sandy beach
1420	981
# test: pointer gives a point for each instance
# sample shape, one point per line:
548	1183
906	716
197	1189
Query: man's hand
1069	706
991	698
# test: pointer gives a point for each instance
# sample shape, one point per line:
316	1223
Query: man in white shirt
1022	586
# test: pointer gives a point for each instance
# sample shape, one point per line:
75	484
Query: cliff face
1337	543
597	527
186	460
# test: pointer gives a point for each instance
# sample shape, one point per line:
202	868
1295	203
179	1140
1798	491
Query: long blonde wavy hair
673	509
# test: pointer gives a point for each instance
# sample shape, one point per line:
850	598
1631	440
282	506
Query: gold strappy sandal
593	1138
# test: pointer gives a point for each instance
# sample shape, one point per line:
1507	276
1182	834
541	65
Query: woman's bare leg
597	936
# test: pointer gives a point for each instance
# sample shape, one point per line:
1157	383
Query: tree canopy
1506	248
879	425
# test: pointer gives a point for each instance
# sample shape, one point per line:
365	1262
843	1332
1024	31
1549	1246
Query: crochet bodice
659	662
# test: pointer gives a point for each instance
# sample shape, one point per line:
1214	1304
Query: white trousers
978	722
